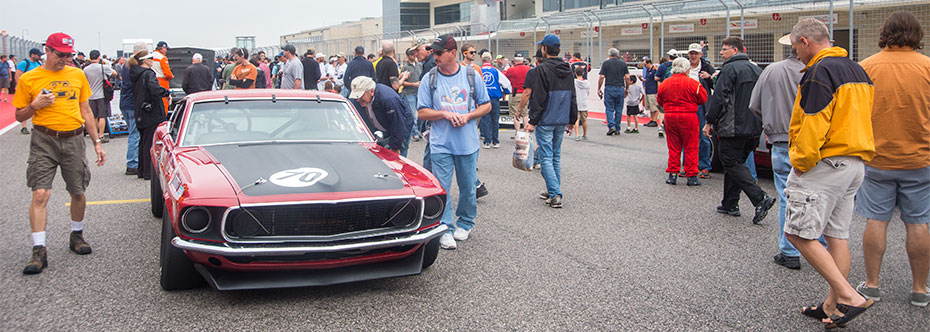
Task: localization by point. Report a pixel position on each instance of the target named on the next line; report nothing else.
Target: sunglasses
(468, 52)
(438, 52)
(64, 54)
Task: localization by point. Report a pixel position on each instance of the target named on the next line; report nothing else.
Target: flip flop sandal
(849, 313)
(818, 313)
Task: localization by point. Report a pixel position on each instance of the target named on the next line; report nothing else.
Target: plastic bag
(523, 153)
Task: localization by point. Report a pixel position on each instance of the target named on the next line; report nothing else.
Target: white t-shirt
(582, 90)
(695, 73)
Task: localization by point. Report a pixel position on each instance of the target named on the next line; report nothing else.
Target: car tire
(177, 271)
(430, 251)
(158, 201)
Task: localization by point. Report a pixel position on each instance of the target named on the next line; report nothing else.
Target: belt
(58, 134)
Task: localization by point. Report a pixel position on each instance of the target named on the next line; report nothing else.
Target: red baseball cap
(60, 42)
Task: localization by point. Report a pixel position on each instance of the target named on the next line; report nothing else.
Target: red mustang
(284, 188)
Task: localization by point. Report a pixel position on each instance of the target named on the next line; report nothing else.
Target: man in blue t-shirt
(652, 90)
(453, 139)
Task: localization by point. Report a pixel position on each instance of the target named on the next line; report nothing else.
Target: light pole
(98, 40)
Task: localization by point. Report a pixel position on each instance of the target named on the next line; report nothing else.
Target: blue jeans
(549, 139)
(427, 161)
(613, 105)
(781, 167)
(704, 144)
(464, 167)
(132, 145)
(751, 165)
(490, 123)
(412, 105)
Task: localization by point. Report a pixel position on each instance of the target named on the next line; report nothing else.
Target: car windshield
(247, 121)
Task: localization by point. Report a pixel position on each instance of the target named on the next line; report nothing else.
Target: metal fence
(651, 28)
(12, 45)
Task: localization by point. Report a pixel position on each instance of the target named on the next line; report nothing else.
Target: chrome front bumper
(297, 249)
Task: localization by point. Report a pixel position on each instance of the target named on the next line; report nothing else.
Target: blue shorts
(883, 190)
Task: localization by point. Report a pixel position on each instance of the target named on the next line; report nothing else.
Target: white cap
(695, 47)
(672, 52)
(320, 55)
(197, 57)
(785, 40)
(360, 85)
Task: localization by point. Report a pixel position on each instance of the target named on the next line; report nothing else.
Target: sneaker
(78, 245)
(793, 263)
(651, 124)
(460, 234)
(132, 171)
(661, 131)
(537, 166)
(585, 137)
(681, 174)
(486, 145)
(611, 131)
(544, 195)
(693, 181)
(870, 293)
(920, 300)
(672, 179)
(24, 131)
(496, 145)
(416, 138)
(661, 134)
(763, 209)
(705, 174)
(627, 131)
(447, 241)
(635, 131)
(734, 212)
(577, 138)
(38, 261)
(555, 202)
(481, 191)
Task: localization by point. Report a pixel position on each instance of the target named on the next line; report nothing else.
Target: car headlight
(196, 219)
(433, 206)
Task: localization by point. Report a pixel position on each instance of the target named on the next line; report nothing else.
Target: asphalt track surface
(626, 253)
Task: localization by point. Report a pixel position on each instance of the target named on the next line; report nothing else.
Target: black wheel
(177, 271)
(158, 201)
(430, 251)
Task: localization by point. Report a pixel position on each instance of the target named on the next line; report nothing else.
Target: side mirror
(379, 136)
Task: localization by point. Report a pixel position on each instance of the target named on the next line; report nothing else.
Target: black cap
(161, 44)
(94, 54)
(539, 54)
(359, 50)
(81, 53)
(444, 42)
(35, 51)
(289, 48)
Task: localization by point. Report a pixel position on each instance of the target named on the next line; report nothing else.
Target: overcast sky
(208, 24)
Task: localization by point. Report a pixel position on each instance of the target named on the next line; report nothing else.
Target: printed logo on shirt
(455, 100)
(488, 77)
(62, 89)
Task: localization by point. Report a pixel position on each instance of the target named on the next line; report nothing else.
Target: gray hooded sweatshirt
(773, 97)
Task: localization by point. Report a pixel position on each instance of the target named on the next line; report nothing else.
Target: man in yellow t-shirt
(55, 97)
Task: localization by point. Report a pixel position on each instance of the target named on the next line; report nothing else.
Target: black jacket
(311, 72)
(197, 77)
(728, 109)
(147, 97)
(359, 66)
(707, 83)
(553, 100)
(391, 112)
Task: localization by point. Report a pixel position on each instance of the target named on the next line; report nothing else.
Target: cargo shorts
(821, 201)
(48, 153)
(514, 105)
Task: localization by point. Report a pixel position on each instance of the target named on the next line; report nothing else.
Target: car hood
(304, 168)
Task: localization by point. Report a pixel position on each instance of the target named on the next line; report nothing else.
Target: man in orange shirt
(55, 96)
(243, 76)
(899, 174)
(162, 69)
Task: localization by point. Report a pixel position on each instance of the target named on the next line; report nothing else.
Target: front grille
(322, 219)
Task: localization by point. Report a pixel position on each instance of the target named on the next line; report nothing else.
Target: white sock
(38, 238)
(77, 226)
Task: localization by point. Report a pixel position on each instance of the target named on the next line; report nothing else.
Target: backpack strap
(470, 71)
(432, 80)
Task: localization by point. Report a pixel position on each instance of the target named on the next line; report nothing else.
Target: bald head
(387, 48)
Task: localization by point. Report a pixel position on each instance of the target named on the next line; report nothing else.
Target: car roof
(262, 93)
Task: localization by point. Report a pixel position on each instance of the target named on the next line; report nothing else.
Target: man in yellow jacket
(162, 69)
(830, 138)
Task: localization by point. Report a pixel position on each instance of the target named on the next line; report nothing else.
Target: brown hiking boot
(38, 261)
(78, 245)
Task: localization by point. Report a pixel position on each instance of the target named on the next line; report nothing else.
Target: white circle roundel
(298, 177)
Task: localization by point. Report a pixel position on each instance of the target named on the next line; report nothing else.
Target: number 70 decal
(298, 177)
